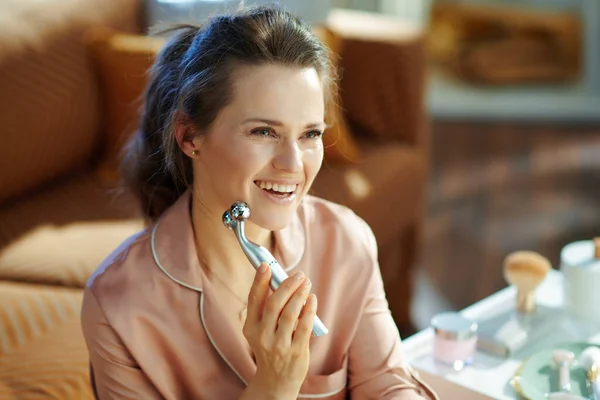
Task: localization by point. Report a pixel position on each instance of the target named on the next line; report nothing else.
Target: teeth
(276, 187)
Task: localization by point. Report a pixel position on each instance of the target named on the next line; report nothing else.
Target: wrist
(263, 388)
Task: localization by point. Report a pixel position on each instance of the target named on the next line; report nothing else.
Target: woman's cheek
(314, 156)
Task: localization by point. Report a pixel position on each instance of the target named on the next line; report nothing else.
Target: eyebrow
(279, 123)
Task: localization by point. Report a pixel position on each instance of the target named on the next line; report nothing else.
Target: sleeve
(377, 364)
(113, 372)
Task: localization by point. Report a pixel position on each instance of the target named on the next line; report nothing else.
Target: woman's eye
(314, 134)
(263, 132)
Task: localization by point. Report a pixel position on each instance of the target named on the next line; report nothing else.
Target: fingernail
(306, 282)
(298, 276)
(263, 268)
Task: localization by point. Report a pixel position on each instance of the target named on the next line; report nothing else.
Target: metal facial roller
(234, 219)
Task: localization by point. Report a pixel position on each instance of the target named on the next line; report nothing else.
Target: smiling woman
(235, 111)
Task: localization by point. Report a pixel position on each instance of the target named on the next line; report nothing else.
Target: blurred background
(514, 100)
(514, 97)
(469, 129)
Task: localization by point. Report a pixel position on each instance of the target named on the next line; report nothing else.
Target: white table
(489, 377)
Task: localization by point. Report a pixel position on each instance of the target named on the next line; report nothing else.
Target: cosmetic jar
(455, 339)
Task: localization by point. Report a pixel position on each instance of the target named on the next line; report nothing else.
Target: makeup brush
(590, 360)
(526, 270)
(563, 360)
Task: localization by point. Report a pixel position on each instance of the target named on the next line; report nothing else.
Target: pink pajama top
(154, 329)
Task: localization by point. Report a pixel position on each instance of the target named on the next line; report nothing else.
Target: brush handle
(595, 390)
(564, 378)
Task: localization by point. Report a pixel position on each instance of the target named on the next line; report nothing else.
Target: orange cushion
(43, 354)
(61, 235)
(122, 61)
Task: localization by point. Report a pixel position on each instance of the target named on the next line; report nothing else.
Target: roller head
(240, 211)
(228, 220)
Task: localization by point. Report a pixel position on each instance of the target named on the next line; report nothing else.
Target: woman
(235, 111)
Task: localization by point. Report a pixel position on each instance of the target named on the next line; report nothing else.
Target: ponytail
(152, 167)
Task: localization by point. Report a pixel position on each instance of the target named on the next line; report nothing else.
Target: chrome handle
(234, 219)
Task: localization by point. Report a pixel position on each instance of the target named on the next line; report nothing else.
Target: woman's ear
(186, 136)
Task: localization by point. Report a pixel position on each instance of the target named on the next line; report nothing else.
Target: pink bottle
(455, 341)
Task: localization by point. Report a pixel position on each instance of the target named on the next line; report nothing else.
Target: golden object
(593, 373)
(515, 381)
(526, 270)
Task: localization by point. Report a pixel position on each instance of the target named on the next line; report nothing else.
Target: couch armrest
(49, 97)
(383, 76)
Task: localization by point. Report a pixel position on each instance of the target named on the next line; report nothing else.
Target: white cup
(581, 271)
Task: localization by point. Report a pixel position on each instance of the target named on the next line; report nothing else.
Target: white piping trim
(213, 342)
(164, 270)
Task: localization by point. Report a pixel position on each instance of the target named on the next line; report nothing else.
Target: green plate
(537, 376)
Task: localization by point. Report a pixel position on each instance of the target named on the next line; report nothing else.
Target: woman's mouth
(278, 192)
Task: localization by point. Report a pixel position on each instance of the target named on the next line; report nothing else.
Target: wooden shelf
(576, 102)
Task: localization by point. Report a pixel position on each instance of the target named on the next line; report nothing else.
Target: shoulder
(342, 260)
(125, 268)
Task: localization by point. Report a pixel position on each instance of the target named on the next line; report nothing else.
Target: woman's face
(265, 147)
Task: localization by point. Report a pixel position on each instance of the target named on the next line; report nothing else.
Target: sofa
(59, 217)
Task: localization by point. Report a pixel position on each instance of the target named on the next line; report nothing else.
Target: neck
(217, 246)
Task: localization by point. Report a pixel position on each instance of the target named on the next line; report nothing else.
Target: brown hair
(192, 75)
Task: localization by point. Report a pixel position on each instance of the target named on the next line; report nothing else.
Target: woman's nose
(289, 157)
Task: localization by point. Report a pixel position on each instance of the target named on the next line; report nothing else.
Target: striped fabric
(61, 235)
(42, 350)
(49, 106)
(48, 112)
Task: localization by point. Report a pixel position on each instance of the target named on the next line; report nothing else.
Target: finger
(258, 295)
(303, 332)
(276, 301)
(290, 314)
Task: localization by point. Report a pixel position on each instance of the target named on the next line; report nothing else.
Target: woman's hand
(278, 328)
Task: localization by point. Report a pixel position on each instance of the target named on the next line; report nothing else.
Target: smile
(281, 193)
(276, 188)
